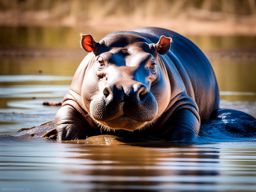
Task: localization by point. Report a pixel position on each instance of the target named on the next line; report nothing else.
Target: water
(77, 167)
(36, 65)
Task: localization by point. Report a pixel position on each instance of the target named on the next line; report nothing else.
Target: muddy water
(36, 65)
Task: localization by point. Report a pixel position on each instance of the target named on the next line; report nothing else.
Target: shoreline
(31, 52)
(203, 25)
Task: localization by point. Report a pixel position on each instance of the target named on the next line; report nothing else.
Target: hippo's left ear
(88, 43)
(163, 45)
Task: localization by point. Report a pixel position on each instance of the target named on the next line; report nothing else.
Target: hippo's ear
(163, 45)
(88, 43)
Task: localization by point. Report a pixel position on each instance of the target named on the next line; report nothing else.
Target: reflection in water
(126, 167)
(75, 167)
(33, 72)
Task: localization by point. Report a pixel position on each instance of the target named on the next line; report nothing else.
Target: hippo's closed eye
(101, 62)
(153, 71)
(152, 67)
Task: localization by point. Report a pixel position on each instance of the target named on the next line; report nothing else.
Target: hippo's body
(180, 92)
(149, 84)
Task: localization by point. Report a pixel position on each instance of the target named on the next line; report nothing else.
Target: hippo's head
(125, 84)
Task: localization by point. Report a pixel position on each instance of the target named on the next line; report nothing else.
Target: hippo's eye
(152, 68)
(101, 62)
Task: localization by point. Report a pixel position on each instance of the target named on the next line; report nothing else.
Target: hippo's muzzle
(121, 107)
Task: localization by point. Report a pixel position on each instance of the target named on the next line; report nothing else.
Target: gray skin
(149, 83)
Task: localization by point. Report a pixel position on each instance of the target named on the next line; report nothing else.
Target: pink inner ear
(165, 41)
(88, 43)
(163, 45)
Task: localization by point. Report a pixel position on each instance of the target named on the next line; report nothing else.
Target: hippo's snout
(136, 93)
(122, 107)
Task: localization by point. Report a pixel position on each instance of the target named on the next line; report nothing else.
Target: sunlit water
(27, 80)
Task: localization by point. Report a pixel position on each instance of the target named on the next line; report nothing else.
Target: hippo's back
(190, 59)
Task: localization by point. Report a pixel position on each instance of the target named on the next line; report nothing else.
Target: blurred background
(187, 16)
(40, 51)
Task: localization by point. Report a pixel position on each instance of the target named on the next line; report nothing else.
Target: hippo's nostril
(142, 93)
(106, 92)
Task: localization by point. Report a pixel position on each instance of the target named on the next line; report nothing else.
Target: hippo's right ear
(88, 43)
(163, 45)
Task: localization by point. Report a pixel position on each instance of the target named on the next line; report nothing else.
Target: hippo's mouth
(123, 122)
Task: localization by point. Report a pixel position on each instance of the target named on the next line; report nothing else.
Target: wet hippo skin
(149, 83)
